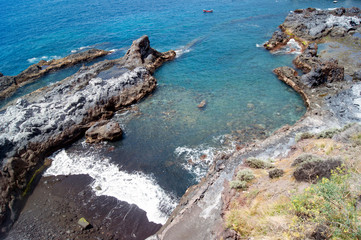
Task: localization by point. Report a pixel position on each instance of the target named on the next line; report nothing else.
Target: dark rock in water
(202, 104)
(8, 84)
(70, 198)
(278, 39)
(103, 131)
(57, 115)
(1, 74)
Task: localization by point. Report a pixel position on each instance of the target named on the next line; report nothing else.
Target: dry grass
(265, 211)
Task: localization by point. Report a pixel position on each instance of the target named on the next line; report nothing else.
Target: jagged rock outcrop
(57, 115)
(103, 131)
(9, 84)
(308, 25)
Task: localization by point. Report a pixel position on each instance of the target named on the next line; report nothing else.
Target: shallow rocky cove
(96, 92)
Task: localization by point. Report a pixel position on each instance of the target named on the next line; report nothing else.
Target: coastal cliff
(213, 209)
(55, 116)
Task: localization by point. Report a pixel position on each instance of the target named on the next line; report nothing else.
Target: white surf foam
(187, 48)
(80, 49)
(198, 159)
(46, 58)
(134, 188)
(292, 47)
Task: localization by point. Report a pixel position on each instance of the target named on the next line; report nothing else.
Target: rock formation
(305, 25)
(9, 84)
(103, 131)
(57, 115)
(330, 100)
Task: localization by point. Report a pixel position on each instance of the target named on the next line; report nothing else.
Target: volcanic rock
(8, 84)
(49, 119)
(103, 131)
(313, 24)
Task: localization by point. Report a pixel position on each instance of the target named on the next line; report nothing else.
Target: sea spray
(109, 179)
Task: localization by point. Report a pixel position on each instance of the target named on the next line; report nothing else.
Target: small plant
(311, 171)
(242, 178)
(245, 175)
(238, 184)
(331, 203)
(275, 173)
(305, 158)
(356, 139)
(329, 133)
(305, 135)
(258, 163)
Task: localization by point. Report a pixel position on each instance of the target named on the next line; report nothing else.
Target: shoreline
(57, 115)
(286, 134)
(199, 215)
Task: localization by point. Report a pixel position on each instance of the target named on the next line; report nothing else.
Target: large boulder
(103, 131)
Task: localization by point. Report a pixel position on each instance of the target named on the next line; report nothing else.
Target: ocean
(169, 142)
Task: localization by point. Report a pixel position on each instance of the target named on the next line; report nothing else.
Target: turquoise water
(167, 137)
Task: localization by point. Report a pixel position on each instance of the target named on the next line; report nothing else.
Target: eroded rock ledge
(331, 102)
(52, 117)
(9, 84)
(309, 25)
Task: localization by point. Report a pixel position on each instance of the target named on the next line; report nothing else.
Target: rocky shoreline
(332, 99)
(57, 115)
(9, 84)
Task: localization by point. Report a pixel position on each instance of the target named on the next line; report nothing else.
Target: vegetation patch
(276, 173)
(242, 178)
(305, 158)
(304, 135)
(258, 163)
(311, 171)
(331, 205)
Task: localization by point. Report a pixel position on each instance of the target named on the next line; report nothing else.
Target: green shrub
(245, 175)
(329, 133)
(238, 184)
(311, 171)
(305, 135)
(258, 163)
(307, 157)
(331, 203)
(356, 139)
(276, 173)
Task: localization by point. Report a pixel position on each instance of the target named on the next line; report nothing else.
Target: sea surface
(169, 142)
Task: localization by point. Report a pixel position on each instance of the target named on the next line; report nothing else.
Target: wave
(134, 188)
(292, 47)
(187, 48)
(197, 159)
(46, 58)
(80, 49)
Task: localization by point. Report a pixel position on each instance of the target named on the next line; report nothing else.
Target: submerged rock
(57, 115)
(103, 131)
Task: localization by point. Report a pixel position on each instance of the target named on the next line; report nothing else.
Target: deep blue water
(166, 135)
